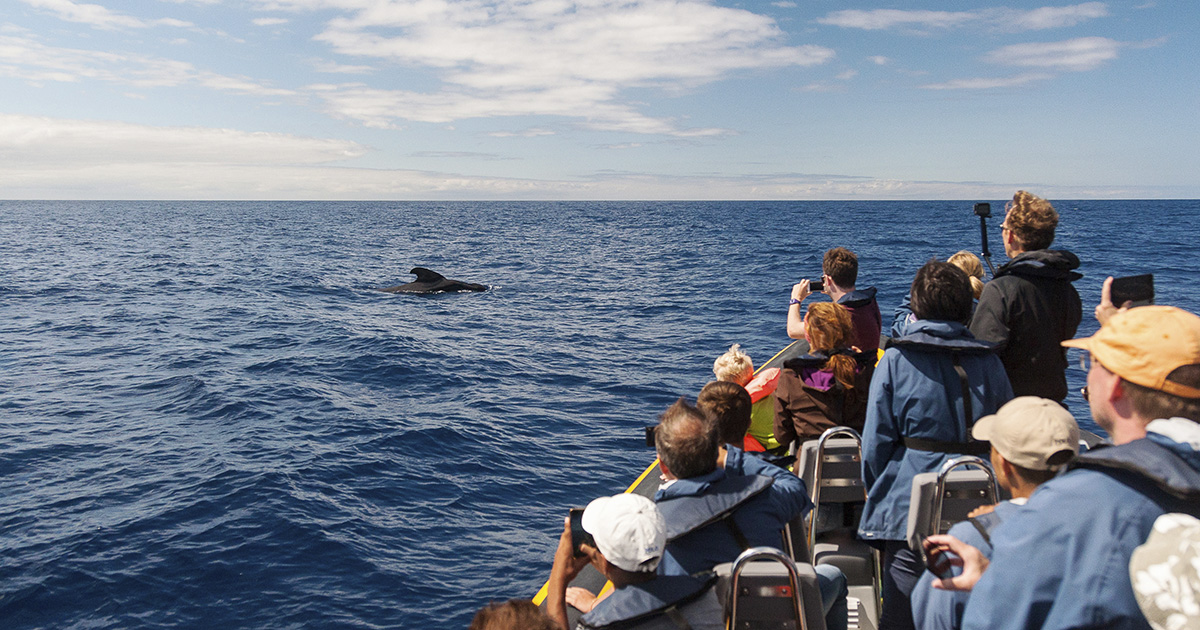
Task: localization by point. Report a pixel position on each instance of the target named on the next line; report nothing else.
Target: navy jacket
(760, 519)
(1026, 310)
(1063, 560)
(644, 606)
(916, 393)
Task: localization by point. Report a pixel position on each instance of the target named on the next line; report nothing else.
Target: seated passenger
(839, 274)
(926, 393)
(514, 614)
(902, 316)
(628, 534)
(1165, 571)
(1031, 439)
(728, 406)
(735, 366)
(828, 386)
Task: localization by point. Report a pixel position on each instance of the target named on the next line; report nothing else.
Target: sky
(598, 99)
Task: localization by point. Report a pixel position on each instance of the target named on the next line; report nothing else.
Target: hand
(566, 567)
(582, 599)
(983, 509)
(1106, 309)
(800, 290)
(971, 560)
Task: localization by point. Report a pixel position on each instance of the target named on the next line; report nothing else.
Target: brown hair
(1031, 219)
(841, 265)
(514, 614)
(971, 266)
(1154, 403)
(728, 406)
(829, 327)
(941, 291)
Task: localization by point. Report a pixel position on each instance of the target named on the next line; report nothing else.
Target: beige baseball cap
(1031, 432)
(629, 531)
(1144, 345)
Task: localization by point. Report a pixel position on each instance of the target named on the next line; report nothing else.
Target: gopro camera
(578, 535)
(983, 210)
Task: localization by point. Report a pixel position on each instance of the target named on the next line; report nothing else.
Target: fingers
(582, 599)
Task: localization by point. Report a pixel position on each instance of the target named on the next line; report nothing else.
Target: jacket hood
(1044, 263)
(941, 336)
(860, 297)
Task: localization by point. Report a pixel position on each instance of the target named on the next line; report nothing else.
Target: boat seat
(765, 590)
(941, 499)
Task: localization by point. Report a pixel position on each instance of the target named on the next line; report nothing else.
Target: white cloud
(847, 75)
(1000, 18)
(784, 4)
(988, 83)
(568, 58)
(879, 60)
(1084, 53)
(525, 133)
(98, 16)
(329, 67)
(269, 21)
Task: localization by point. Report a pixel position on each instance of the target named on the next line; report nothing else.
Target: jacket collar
(1045, 263)
(858, 297)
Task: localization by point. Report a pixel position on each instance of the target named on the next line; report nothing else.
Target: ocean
(210, 419)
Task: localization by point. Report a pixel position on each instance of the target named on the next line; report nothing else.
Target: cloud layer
(1000, 18)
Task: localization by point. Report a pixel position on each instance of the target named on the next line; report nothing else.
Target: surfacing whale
(429, 281)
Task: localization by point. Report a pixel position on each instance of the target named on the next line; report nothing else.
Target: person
(927, 391)
(718, 502)
(1062, 561)
(1031, 439)
(827, 387)
(728, 406)
(514, 614)
(629, 537)
(1031, 305)
(1165, 573)
(840, 274)
(735, 366)
(902, 315)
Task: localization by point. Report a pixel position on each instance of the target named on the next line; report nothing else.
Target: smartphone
(816, 286)
(1136, 289)
(578, 535)
(650, 437)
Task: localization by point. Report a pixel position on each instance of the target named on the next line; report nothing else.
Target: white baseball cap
(629, 531)
(1030, 431)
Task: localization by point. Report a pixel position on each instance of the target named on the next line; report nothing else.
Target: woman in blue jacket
(917, 419)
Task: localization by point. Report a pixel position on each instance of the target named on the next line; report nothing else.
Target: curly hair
(1031, 219)
(829, 327)
(734, 366)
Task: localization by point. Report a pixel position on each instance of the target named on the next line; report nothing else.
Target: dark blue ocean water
(208, 418)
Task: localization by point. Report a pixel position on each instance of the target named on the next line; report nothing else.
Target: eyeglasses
(1083, 391)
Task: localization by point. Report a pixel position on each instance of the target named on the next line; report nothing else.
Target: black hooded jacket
(1027, 310)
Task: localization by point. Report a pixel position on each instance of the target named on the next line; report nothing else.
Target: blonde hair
(969, 263)
(829, 327)
(734, 366)
(1031, 219)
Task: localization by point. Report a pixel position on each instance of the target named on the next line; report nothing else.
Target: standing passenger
(1031, 306)
(840, 273)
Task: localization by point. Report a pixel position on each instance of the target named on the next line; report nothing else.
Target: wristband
(794, 301)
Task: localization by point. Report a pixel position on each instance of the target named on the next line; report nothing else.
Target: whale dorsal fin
(426, 275)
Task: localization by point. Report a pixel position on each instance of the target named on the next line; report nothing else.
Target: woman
(828, 386)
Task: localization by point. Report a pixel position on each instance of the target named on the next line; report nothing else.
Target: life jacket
(762, 409)
(955, 348)
(686, 514)
(663, 595)
(1146, 458)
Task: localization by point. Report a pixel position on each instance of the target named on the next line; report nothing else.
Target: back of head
(941, 291)
(728, 406)
(1156, 352)
(514, 614)
(829, 327)
(841, 265)
(686, 441)
(629, 532)
(734, 366)
(1032, 220)
(1036, 435)
(970, 265)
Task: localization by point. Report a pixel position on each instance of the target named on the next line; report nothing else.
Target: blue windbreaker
(916, 393)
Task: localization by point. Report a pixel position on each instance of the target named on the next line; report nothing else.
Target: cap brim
(982, 430)
(1082, 342)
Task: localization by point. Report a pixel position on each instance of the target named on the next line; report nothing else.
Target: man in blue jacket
(1062, 561)
(926, 393)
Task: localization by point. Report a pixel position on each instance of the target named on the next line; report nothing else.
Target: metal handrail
(949, 465)
(818, 467)
(764, 553)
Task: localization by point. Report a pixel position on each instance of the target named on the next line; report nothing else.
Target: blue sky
(597, 99)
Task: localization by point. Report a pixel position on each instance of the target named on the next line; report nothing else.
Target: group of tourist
(968, 370)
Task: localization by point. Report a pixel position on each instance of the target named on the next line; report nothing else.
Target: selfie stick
(984, 210)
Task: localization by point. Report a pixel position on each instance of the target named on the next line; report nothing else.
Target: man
(1031, 438)
(1062, 561)
(840, 273)
(629, 535)
(1031, 306)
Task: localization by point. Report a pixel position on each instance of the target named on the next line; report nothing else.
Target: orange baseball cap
(1143, 345)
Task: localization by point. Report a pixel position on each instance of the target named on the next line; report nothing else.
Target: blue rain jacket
(644, 606)
(1063, 560)
(917, 393)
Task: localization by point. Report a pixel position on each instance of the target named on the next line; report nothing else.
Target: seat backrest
(964, 491)
(765, 597)
(840, 470)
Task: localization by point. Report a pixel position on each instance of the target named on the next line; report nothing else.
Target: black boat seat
(764, 590)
